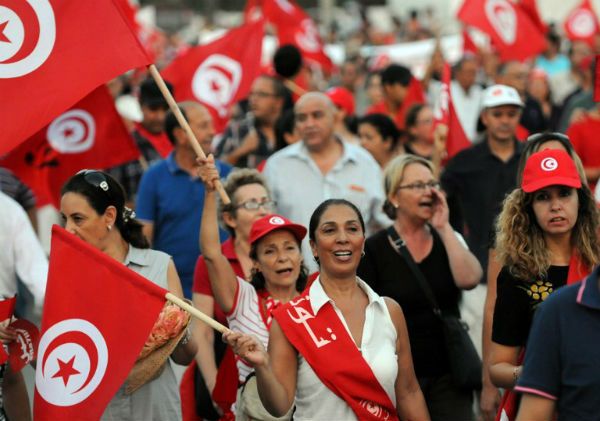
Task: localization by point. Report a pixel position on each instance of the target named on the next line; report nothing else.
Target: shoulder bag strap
(400, 246)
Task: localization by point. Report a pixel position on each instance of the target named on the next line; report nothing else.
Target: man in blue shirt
(171, 196)
(562, 363)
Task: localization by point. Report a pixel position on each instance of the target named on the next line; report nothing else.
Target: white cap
(497, 95)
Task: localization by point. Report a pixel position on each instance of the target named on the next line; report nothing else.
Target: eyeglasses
(261, 94)
(420, 186)
(95, 178)
(253, 205)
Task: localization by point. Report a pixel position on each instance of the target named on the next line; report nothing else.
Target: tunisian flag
(91, 134)
(582, 23)
(52, 54)
(444, 113)
(294, 26)
(511, 29)
(220, 73)
(97, 316)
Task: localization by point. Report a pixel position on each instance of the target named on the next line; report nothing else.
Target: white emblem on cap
(276, 220)
(549, 164)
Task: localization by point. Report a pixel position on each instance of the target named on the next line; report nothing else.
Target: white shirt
(467, 106)
(314, 400)
(298, 186)
(21, 255)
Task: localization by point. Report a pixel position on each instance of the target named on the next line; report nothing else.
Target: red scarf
(577, 270)
(160, 141)
(325, 340)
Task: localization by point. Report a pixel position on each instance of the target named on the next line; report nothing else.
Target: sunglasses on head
(95, 178)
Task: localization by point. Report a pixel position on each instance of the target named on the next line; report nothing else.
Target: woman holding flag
(93, 208)
(546, 238)
(339, 351)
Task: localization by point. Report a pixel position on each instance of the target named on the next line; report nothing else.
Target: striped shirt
(246, 317)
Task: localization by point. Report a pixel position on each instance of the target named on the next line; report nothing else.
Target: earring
(109, 227)
(362, 253)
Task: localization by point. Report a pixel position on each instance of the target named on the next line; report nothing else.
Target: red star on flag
(215, 86)
(3, 38)
(65, 370)
(68, 132)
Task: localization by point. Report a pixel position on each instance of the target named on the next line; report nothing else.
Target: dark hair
(151, 95)
(284, 125)
(278, 86)
(287, 60)
(320, 210)
(257, 279)
(413, 114)
(89, 184)
(384, 126)
(396, 73)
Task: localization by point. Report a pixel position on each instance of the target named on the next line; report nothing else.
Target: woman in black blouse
(420, 215)
(546, 237)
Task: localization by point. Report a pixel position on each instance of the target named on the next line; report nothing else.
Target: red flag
(597, 78)
(97, 316)
(582, 23)
(294, 26)
(510, 28)
(23, 350)
(53, 53)
(89, 135)
(445, 113)
(530, 8)
(220, 73)
(469, 46)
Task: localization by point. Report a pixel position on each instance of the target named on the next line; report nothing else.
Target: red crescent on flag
(78, 338)
(31, 26)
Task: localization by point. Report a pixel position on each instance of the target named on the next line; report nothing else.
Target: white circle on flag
(503, 18)
(72, 132)
(582, 24)
(17, 29)
(72, 361)
(13, 31)
(549, 164)
(308, 37)
(216, 81)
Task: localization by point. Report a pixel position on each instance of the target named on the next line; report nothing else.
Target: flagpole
(185, 125)
(196, 313)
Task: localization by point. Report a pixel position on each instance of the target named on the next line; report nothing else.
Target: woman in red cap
(339, 351)
(277, 276)
(546, 238)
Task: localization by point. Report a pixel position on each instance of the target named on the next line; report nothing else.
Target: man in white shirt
(22, 255)
(320, 167)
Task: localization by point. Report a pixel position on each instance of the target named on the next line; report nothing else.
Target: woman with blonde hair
(439, 256)
(546, 238)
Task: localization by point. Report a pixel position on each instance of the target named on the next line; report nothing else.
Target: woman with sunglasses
(420, 213)
(250, 201)
(93, 208)
(277, 275)
(546, 238)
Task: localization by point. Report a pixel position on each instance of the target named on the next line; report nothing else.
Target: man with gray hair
(320, 167)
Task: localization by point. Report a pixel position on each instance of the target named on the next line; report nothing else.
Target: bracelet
(186, 337)
(516, 373)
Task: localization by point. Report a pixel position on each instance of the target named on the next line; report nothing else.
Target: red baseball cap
(548, 168)
(269, 223)
(342, 98)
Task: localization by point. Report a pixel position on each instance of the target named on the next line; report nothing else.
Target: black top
(389, 275)
(476, 182)
(517, 300)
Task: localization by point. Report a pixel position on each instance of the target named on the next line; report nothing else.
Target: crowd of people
(351, 240)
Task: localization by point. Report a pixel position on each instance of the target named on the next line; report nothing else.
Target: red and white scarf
(321, 339)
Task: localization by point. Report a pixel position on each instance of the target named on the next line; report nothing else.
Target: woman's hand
(247, 347)
(440, 218)
(7, 333)
(207, 171)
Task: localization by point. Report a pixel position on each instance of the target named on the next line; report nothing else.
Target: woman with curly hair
(546, 238)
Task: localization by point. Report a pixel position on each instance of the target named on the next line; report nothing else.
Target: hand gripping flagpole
(196, 313)
(188, 130)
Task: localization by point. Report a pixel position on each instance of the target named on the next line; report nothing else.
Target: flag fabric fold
(97, 315)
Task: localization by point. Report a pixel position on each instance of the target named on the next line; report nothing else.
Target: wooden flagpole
(184, 124)
(196, 313)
